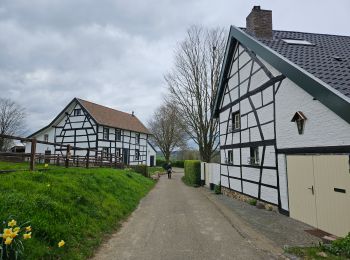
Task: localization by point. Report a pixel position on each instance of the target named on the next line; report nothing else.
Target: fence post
(110, 160)
(32, 155)
(67, 156)
(87, 158)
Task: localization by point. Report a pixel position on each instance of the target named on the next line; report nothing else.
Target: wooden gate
(319, 191)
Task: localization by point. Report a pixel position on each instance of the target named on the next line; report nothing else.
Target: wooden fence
(99, 159)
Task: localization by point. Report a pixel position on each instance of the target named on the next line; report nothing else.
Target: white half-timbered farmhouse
(88, 125)
(283, 105)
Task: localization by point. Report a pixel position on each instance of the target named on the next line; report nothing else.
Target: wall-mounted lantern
(299, 118)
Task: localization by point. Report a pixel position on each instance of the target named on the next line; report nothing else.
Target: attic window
(297, 42)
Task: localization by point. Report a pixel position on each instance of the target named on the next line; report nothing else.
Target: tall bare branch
(167, 129)
(193, 83)
(11, 121)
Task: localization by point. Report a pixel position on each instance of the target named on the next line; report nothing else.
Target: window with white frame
(137, 154)
(254, 156)
(46, 137)
(137, 138)
(236, 120)
(118, 134)
(105, 133)
(230, 156)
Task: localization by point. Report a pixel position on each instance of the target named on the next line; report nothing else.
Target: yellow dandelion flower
(61, 243)
(46, 165)
(12, 223)
(27, 236)
(29, 228)
(8, 241)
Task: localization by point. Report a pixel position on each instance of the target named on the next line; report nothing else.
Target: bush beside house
(192, 175)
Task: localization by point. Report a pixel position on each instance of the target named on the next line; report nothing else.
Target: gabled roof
(328, 58)
(104, 116)
(313, 74)
(113, 118)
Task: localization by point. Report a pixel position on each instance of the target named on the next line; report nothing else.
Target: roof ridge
(80, 99)
(337, 35)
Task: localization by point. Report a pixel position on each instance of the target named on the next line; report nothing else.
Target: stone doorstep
(246, 198)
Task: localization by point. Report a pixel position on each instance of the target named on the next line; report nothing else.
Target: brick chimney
(259, 23)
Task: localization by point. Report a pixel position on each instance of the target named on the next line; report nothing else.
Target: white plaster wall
(150, 152)
(322, 127)
(282, 171)
(236, 185)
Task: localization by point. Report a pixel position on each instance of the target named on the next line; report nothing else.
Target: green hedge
(192, 172)
(177, 163)
(140, 168)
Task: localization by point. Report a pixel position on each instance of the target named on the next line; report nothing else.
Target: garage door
(319, 187)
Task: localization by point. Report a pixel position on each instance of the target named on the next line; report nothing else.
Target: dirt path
(178, 222)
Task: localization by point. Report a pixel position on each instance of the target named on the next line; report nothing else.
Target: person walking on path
(169, 170)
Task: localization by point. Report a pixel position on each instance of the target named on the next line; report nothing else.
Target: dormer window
(299, 118)
(236, 120)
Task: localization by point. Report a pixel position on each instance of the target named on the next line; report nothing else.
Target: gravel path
(179, 222)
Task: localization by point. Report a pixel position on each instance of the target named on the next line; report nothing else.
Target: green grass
(311, 253)
(21, 166)
(80, 206)
(155, 169)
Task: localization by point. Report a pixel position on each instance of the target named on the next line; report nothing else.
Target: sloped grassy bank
(79, 206)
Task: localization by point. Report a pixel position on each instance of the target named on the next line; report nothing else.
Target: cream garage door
(319, 191)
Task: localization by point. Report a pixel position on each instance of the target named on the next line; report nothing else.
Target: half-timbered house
(283, 106)
(108, 131)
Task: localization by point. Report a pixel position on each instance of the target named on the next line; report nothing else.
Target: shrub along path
(178, 222)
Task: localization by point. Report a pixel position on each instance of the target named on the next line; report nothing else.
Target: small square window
(77, 112)
(254, 156)
(105, 133)
(230, 157)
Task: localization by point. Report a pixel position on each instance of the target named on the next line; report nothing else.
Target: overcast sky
(115, 53)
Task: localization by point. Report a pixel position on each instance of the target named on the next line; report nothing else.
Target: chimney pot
(259, 23)
(133, 113)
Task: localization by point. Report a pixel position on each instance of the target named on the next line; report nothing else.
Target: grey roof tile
(318, 59)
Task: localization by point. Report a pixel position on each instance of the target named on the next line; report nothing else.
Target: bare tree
(167, 129)
(11, 121)
(193, 84)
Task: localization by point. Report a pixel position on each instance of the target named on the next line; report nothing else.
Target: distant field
(80, 206)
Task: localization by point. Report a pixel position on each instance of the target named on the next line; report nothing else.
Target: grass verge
(77, 205)
(312, 253)
(155, 170)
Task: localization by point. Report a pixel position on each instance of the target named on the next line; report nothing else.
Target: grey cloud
(116, 52)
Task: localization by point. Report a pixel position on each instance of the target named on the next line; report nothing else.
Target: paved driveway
(179, 222)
